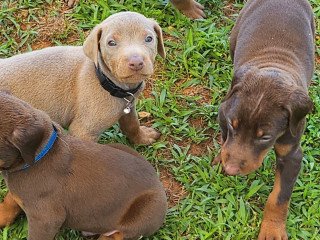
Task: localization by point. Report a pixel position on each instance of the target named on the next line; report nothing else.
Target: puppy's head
(21, 131)
(127, 43)
(260, 108)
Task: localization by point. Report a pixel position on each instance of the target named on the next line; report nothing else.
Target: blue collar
(45, 149)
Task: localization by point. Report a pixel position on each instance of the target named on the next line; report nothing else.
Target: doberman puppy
(191, 8)
(272, 47)
(62, 181)
(89, 88)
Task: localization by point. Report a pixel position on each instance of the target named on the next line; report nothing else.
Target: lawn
(183, 98)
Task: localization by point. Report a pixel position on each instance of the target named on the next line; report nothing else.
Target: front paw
(272, 230)
(194, 11)
(146, 135)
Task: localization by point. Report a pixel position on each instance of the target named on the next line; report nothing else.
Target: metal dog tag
(129, 104)
(127, 110)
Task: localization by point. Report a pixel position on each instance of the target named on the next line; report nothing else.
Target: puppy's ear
(232, 91)
(238, 77)
(244, 72)
(27, 140)
(299, 105)
(91, 44)
(160, 46)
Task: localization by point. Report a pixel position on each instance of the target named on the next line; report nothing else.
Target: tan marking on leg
(9, 210)
(275, 215)
(283, 149)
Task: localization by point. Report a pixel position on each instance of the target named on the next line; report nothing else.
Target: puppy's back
(35, 78)
(125, 186)
(278, 28)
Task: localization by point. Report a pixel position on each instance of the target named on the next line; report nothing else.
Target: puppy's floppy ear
(299, 105)
(91, 44)
(238, 77)
(160, 46)
(27, 140)
(232, 91)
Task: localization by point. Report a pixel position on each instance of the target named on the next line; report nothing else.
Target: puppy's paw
(71, 3)
(146, 135)
(194, 10)
(273, 230)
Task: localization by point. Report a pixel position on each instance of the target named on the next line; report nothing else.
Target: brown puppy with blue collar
(62, 181)
(64, 82)
(272, 46)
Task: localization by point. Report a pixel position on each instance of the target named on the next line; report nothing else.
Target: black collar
(112, 88)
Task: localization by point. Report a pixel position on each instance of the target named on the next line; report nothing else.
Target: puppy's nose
(136, 62)
(231, 169)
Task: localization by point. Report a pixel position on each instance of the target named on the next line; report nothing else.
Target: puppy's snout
(231, 169)
(135, 62)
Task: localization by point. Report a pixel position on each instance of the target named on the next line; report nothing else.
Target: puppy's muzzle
(136, 62)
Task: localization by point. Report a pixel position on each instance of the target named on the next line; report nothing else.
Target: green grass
(187, 89)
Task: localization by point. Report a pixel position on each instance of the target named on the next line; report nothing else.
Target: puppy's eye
(112, 43)
(148, 39)
(265, 138)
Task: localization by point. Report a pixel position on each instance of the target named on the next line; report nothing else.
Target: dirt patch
(174, 190)
(201, 148)
(198, 90)
(54, 27)
(197, 122)
(229, 9)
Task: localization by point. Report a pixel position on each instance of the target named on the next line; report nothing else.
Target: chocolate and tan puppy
(191, 8)
(272, 46)
(88, 89)
(62, 181)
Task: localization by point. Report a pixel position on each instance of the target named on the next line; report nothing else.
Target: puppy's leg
(44, 223)
(130, 126)
(190, 8)
(9, 210)
(289, 159)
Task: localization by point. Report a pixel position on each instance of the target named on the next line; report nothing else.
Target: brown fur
(78, 184)
(62, 80)
(272, 46)
(190, 8)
